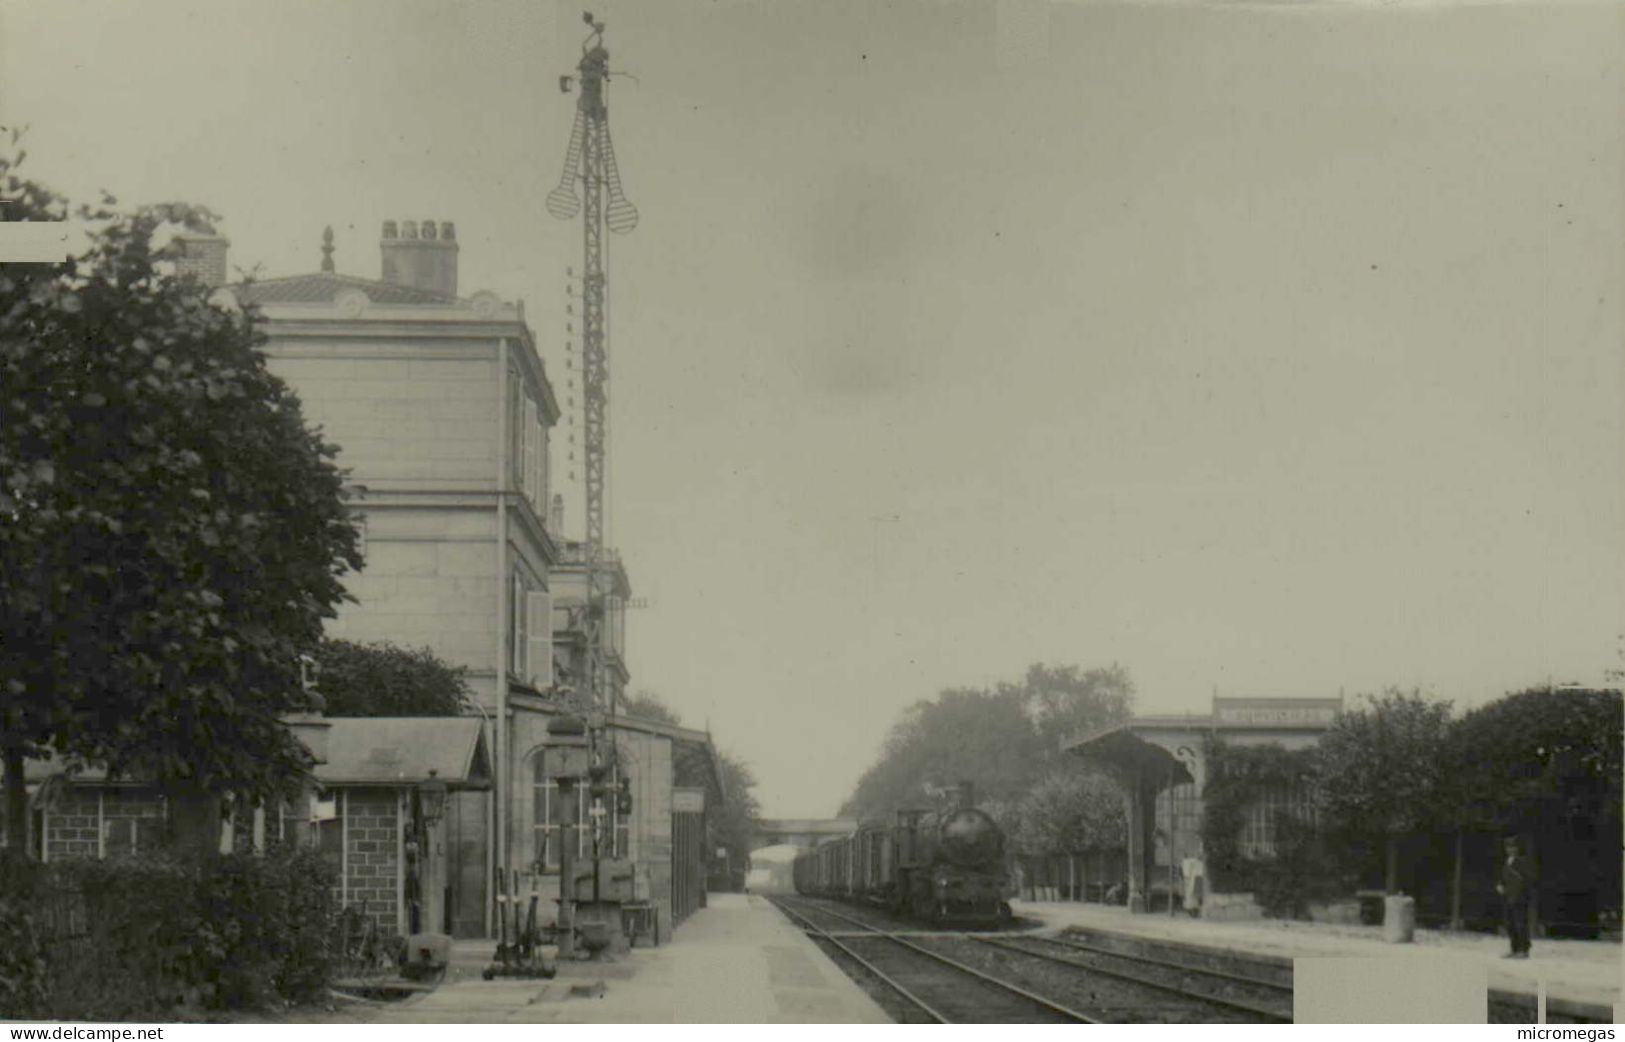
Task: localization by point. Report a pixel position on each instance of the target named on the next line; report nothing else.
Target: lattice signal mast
(590, 163)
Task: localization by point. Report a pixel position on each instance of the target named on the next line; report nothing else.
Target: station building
(442, 410)
(1161, 763)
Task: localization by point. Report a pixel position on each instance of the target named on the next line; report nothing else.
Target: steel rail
(782, 905)
(1174, 989)
(1014, 989)
(1239, 978)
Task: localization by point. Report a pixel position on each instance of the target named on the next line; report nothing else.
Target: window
(527, 444)
(125, 836)
(615, 629)
(327, 828)
(594, 817)
(1258, 831)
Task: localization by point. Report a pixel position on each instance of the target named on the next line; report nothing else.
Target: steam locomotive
(941, 866)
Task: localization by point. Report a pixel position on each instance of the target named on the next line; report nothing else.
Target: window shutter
(518, 635)
(532, 427)
(541, 470)
(516, 427)
(539, 646)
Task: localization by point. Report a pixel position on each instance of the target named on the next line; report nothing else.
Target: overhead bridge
(799, 832)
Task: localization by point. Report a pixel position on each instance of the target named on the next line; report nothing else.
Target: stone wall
(405, 412)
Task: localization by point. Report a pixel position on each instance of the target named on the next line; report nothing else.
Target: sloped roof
(403, 750)
(694, 755)
(323, 287)
(363, 751)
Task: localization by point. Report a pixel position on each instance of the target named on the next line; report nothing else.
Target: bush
(1303, 869)
(154, 938)
(23, 969)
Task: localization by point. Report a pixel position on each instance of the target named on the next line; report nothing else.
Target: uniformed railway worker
(1516, 887)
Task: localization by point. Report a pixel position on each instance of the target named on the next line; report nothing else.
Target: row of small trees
(1400, 768)
(1404, 764)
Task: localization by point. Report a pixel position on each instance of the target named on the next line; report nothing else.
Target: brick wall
(372, 854)
(87, 821)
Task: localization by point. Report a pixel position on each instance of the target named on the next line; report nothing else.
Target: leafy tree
(172, 534)
(1006, 741)
(1066, 702)
(984, 737)
(381, 679)
(1072, 809)
(1520, 747)
(733, 825)
(1381, 772)
(646, 705)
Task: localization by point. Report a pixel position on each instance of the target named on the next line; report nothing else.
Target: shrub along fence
(159, 938)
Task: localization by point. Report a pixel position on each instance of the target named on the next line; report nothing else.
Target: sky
(1261, 348)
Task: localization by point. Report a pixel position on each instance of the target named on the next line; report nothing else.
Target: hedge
(164, 938)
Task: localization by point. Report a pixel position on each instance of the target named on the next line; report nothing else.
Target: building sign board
(1289, 712)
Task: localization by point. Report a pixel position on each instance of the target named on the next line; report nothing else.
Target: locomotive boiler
(941, 866)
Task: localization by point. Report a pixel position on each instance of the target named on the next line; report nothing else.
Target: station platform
(1584, 972)
(736, 961)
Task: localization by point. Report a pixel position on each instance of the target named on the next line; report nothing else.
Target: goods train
(941, 866)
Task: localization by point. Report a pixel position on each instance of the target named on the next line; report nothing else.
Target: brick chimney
(421, 256)
(202, 256)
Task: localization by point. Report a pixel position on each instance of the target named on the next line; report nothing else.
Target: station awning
(1121, 748)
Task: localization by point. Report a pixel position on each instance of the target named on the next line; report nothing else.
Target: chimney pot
(423, 256)
(201, 256)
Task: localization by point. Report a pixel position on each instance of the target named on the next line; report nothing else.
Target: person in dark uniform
(1517, 888)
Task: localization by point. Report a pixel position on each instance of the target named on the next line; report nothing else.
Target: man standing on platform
(1517, 889)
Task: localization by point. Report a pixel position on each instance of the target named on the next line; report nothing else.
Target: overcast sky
(1269, 347)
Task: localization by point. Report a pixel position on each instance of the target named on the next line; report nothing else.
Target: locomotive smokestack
(967, 794)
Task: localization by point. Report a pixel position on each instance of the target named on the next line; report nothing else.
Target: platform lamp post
(567, 761)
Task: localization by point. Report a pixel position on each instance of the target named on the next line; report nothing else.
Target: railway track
(939, 988)
(1082, 982)
(1228, 993)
